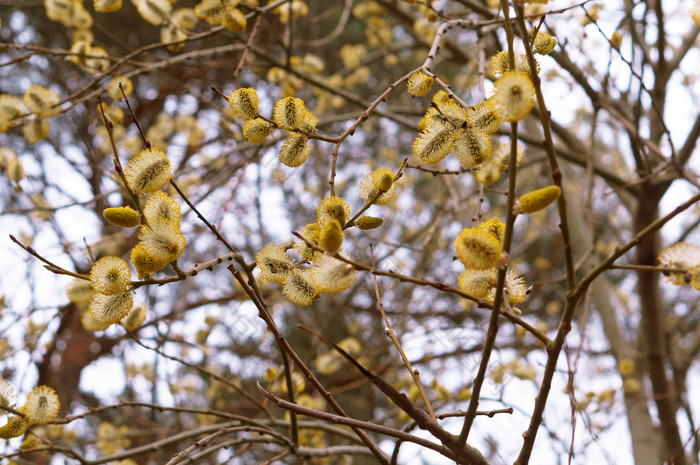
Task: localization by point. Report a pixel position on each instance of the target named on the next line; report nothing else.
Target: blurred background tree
(622, 88)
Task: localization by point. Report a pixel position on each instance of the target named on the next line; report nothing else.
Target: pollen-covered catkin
(244, 103)
(435, 142)
(299, 289)
(15, 427)
(419, 84)
(332, 208)
(544, 43)
(148, 171)
(295, 150)
(108, 309)
(289, 113)
(256, 130)
(514, 96)
(472, 148)
(477, 248)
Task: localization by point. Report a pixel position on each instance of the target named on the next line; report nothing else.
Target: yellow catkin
(41, 101)
(210, 11)
(419, 84)
(289, 113)
(35, 129)
(477, 282)
(185, 18)
(80, 291)
(435, 142)
(495, 227)
(7, 393)
(331, 275)
(234, 20)
(148, 171)
(332, 208)
(538, 200)
(135, 318)
(454, 112)
(144, 263)
(370, 222)
(514, 96)
(472, 148)
(311, 233)
(91, 324)
(631, 386)
(108, 309)
(163, 240)
(15, 427)
(299, 289)
(110, 275)
(9, 110)
(684, 256)
(161, 207)
(244, 103)
(295, 150)
(274, 264)
(625, 367)
(107, 6)
(124, 217)
(477, 248)
(483, 118)
(544, 43)
(380, 184)
(331, 237)
(256, 130)
(42, 405)
(153, 11)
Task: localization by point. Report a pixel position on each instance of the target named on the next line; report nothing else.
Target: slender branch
(287, 350)
(357, 424)
(389, 331)
(52, 267)
(481, 303)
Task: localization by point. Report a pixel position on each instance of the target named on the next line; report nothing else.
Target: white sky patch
(94, 378)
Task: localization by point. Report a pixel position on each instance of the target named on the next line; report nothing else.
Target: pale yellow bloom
(110, 275)
(331, 275)
(148, 171)
(299, 289)
(378, 182)
(163, 240)
(514, 96)
(42, 405)
(41, 101)
(435, 142)
(108, 309)
(274, 264)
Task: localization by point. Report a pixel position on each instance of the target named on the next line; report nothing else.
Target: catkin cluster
(479, 249)
(447, 126)
(289, 113)
(317, 272)
(160, 242)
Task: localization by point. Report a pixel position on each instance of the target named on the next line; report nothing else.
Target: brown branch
(357, 424)
(288, 351)
(52, 267)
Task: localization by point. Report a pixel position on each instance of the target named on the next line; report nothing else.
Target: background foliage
(622, 89)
